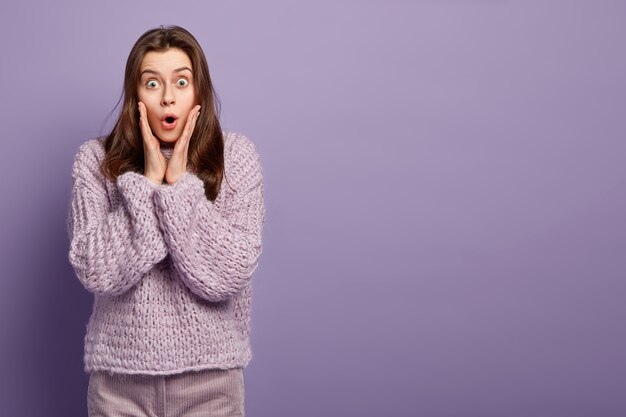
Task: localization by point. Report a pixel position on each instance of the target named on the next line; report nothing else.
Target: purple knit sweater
(170, 270)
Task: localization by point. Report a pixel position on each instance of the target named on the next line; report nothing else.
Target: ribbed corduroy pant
(212, 392)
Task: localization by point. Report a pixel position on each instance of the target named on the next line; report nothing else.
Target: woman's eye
(182, 82)
(152, 84)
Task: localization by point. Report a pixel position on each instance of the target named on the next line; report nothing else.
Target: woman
(165, 230)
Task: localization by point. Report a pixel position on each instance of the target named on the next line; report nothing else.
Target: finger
(182, 142)
(146, 132)
(142, 117)
(144, 120)
(142, 111)
(191, 122)
(194, 121)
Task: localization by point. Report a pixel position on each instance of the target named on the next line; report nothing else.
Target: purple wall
(445, 228)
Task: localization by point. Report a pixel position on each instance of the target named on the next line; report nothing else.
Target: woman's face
(166, 89)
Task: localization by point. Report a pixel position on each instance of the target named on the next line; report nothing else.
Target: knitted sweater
(170, 270)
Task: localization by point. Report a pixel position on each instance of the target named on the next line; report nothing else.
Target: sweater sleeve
(111, 248)
(215, 253)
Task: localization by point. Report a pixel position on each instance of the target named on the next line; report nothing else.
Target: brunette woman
(165, 230)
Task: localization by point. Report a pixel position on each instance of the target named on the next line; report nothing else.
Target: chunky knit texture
(170, 270)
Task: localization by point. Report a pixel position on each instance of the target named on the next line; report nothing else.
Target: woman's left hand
(177, 164)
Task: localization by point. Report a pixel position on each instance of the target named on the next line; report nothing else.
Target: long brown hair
(124, 145)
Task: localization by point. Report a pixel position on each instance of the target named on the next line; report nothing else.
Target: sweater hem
(118, 370)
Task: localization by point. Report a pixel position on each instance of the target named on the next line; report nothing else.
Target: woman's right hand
(154, 161)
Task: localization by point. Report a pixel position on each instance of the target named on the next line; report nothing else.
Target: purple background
(445, 229)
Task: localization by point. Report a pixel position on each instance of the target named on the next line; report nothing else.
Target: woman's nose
(168, 97)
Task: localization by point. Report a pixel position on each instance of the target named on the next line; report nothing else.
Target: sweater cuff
(131, 179)
(175, 204)
(137, 192)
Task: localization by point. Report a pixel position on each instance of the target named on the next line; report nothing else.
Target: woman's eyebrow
(149, 71)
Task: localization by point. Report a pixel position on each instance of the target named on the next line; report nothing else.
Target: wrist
(154, 180)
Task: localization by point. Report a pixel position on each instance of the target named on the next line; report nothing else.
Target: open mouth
(169, 122)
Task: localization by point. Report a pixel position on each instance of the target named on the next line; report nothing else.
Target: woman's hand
(154, 161)
(177, 164)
